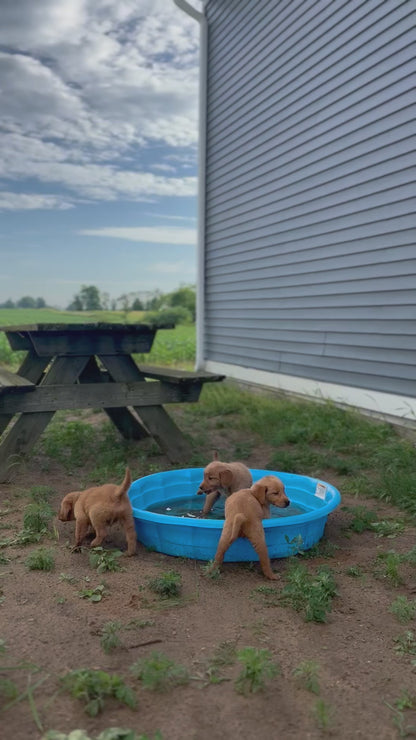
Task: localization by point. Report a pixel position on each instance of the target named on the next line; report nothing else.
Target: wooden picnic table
(74, 366)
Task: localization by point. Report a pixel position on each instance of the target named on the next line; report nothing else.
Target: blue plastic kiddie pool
(166, 507)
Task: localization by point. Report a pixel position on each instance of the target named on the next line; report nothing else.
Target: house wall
(309, 257)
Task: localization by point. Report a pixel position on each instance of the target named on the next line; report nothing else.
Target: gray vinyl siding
(310, 258)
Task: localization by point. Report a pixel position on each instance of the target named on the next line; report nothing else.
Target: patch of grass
(307, 675)
(40, 559)
(37, 517)
(105, 560)
(323, 714)
(388, 567)
(110, 636)
(309, 593)
(354, 571)
(258, 668)
(67, 578)
(406, 700)
(403, 610)
(399, 722)
(93, 687)
(363, 519)
(41, 494)
(225, 654)
(323, 549)
(167, 585)
(388, 528)
(93, 594)
(159, 673)
(211, 570)
(405, 643)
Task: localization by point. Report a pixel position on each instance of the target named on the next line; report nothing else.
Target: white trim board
(398, 409)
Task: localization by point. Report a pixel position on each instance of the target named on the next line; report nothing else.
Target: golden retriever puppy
(222, 478)
(98, 508)
(244, 511)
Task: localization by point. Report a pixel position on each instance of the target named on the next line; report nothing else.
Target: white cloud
(28, 202)
(85, 84)
(154, 234)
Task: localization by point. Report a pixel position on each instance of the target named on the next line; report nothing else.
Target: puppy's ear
(66, 512)
(259, 491)
(226, 477)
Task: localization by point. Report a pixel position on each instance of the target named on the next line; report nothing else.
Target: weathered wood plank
(28, 427)
(96, 395)
(124, 419)
(87, 339)
(160, 425)
(12, 382)
(172, 375)
(32, 369)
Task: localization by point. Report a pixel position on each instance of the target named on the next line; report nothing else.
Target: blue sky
(98, 147)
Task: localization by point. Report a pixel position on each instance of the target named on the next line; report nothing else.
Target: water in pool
(190, 507)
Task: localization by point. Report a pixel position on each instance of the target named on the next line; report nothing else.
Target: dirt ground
(45, 622)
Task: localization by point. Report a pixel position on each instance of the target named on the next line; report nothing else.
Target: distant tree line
(25, 302)
(178, 307)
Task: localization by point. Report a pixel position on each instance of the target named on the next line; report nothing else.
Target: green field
(174, 347)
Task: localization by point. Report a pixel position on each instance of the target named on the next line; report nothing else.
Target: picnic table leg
(29, 426)
(31, 368)
(126, 423)
(156, 419)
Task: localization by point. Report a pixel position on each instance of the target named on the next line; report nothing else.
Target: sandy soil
(45, 622)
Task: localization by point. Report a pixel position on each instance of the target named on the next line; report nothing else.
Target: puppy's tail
(125, 484)
(238, 522)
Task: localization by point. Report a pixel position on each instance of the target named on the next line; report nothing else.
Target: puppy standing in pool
(222, 478)
(244, 512)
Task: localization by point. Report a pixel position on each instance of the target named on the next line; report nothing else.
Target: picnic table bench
(76, 366)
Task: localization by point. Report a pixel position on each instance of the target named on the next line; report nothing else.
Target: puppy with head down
(222, 478)
(244, 511)
(99, 507)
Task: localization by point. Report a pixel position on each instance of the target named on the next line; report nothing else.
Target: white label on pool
(320, 490)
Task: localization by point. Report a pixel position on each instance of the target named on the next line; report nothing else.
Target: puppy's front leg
(210, 500)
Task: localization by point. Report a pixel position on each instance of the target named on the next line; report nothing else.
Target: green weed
(406, 700)
(309, 593)
(41, 559)
(388, 528)
(105, 560)
(110, 636)
(307, 674)
(323, 714)
(37, 517)
(405, 643)
(363, 519)
(41, 494)
(167, 585)
(159, 673)
(258, 668)
(211, 570)
(92, 687)
(93, 594)
(354, 571)
(388, 567)
(403, 610)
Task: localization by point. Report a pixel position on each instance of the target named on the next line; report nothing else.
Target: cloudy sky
(98, 147)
